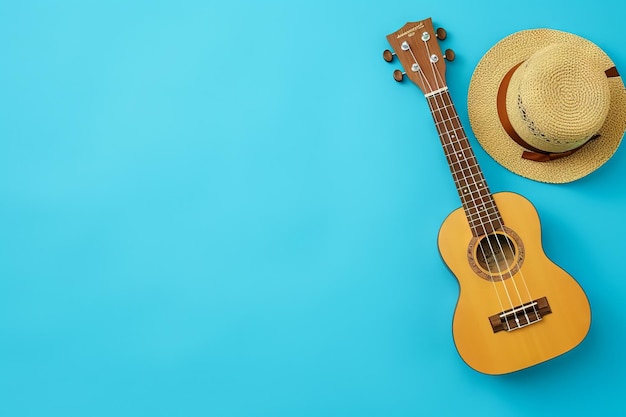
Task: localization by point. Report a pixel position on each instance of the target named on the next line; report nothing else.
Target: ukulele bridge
(520, 316)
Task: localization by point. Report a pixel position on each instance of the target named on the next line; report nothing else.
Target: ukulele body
(483, 334)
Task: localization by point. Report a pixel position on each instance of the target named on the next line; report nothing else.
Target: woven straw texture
(561, 119)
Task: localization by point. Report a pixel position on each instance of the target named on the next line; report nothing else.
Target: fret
(493, 221)
(457, 148)
(466, 182)
(468, 173)
(458, 152)
(468, 177)
(443, 123)
(475, 202)
(481, 214)
(478, 204)
(448, 108)
(461, 170)
(447, 125)
(471, 196)
(468, 189)
(473, 210)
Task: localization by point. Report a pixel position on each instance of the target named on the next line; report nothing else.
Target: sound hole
(496, 256)
(495, 253)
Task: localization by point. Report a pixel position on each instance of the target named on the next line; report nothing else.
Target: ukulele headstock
(417, 48)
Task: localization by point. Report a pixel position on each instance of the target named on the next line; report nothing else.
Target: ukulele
(516, 308)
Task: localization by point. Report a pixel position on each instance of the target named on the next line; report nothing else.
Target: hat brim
(485, 123)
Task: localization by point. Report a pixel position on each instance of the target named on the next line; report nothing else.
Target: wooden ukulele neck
(480, 208)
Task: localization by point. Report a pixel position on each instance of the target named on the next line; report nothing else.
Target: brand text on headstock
(410, 32)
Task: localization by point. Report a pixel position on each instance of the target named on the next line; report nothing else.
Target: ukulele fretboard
(480, 208)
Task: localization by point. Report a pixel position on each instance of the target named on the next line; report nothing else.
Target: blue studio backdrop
(231, 209)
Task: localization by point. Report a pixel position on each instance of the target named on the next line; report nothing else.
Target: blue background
(231, 209)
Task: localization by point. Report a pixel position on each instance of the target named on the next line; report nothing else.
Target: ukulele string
(418, 69)
(484, 251)
(457, 181)
(439, 92)
(439, 79)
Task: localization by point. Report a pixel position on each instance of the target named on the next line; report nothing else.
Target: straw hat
(547, 105)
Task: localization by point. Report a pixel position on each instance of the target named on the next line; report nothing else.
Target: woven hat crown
(558, 98)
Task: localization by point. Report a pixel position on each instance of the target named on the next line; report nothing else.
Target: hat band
(532, 153)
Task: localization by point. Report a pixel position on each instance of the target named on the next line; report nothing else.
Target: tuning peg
(441, 34)
(388, 55)
(449, 55)
(398, 75)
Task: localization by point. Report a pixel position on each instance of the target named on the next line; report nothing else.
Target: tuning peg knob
(441, 34)
(388, 55)
(398, 75)
(449, 55)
